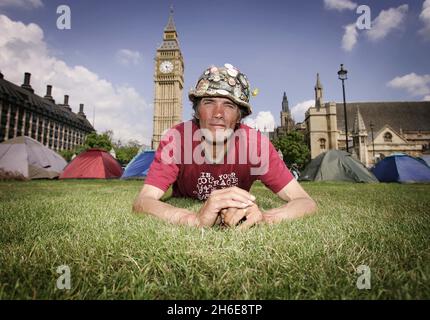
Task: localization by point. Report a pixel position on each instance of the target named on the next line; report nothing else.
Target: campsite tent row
(336, 165)
(28, 158)
(24, 157)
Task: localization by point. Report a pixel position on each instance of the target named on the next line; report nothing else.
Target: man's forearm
(293, 209)
(165, 211)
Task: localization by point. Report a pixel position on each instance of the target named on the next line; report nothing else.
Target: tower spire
(359, 136)
(171, 23)
(285, 107)
(359, 126)
(318, 84)
(170, 37)
(318, 93)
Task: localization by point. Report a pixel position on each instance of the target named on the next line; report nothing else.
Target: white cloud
(425, 18)
(298, 111)
(27, 4)
(414, 84)
(387, 21)
(340, 5)
(128, 57)
(263, 122)
(119, 108)
(349, 39)
(426, 98)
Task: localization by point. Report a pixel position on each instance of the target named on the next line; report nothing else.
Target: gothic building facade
(375, 129)
(24, 113)
(168, 82)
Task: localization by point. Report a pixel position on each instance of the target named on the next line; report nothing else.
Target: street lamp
(342, 73)
(373, 140)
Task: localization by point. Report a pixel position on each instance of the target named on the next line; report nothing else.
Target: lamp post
(342, 73)
(373, 140)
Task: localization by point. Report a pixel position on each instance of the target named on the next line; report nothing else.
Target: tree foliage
(102, 141)
(125, 152)
(293, 148)
(67, 154)
(92, 140)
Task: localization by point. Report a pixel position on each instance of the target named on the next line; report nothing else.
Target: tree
(67, 154)
(293, 148)
(102, 141)
(126, 153)
(92, 140)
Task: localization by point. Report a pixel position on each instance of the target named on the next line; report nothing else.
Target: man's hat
(225, 81)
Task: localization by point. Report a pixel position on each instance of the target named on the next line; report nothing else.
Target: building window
(322, 144)
(388, 137)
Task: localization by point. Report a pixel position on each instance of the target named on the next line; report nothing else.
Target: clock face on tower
(166, 67)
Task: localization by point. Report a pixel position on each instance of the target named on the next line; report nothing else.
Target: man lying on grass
(215, 158)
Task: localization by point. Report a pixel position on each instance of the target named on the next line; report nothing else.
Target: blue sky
(280, 45)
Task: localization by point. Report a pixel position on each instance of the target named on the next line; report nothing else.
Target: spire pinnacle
(318, 84)
(359, 126)
(318, 93)
(285, 107)
(171, 23)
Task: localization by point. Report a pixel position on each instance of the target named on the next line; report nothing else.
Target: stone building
(168, 82)
(24, 113)
(375, 129)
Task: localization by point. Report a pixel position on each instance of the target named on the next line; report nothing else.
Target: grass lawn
(114, 254)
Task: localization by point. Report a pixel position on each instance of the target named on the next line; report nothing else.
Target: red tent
(92, 164)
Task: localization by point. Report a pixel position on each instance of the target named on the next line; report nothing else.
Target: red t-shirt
(180, 161)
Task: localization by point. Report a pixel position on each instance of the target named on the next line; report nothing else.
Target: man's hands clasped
(230, 207)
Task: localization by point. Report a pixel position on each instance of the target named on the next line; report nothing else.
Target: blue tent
(425, 159)
(401, 168)
(139, 166)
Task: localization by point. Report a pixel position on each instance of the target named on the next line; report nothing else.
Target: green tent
(336, 165)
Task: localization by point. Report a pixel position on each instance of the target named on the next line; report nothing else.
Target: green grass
(114, 254)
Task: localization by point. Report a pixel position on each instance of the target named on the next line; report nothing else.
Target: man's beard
(220, 136)
(216, 144)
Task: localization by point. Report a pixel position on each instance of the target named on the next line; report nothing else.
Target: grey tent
(28, 158)
(336, 165)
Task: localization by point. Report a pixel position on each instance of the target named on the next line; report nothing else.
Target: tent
(28, 158)
(139, 166)
(401, 168)
(92, 164)
(425, 159)
(336, 165)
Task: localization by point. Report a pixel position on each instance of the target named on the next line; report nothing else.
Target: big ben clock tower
(169, 82)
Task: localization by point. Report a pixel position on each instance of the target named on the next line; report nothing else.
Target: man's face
(218, 116)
